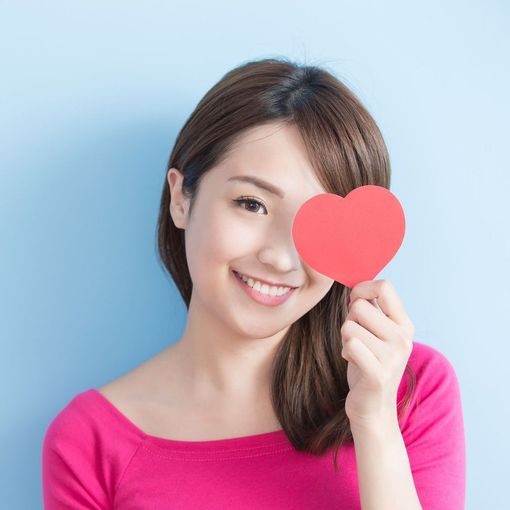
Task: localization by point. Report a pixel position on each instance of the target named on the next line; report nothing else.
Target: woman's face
(253, 237)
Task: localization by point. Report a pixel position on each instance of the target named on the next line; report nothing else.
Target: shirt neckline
(264, 442)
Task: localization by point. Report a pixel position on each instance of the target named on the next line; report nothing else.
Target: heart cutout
(349, 239)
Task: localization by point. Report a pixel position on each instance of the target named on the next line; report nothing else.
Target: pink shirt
(94, 457)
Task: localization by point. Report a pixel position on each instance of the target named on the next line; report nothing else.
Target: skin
(223, 357)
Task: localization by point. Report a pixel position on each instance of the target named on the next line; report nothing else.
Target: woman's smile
(261, 294)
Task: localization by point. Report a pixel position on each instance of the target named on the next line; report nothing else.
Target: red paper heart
(349, 239)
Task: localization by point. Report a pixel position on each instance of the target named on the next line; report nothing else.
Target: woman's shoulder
(430, 363)
(85, 450)
(433, 427)
(436, 395)
(431, 370)
(90, 425)
(87, 418)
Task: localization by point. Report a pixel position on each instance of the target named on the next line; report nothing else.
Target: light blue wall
(92, 97)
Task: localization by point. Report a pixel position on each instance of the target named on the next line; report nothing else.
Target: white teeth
(263, 288)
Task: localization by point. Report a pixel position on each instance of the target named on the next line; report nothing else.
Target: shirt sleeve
(434, 435)
(71, 475)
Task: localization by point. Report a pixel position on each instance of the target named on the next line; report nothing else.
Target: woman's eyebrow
(260, 183)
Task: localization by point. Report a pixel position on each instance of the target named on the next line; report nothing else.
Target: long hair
(346, 149)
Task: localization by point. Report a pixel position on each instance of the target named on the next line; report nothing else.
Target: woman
(286, 390)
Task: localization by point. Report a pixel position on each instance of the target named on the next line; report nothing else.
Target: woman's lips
(263, 299)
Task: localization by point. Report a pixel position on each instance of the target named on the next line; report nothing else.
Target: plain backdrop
(92, 97)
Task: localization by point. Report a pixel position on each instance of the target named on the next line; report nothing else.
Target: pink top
(94, 457)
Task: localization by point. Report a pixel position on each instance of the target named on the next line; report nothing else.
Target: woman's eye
(248, 200)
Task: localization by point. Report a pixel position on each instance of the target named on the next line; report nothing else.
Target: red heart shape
(349, 239)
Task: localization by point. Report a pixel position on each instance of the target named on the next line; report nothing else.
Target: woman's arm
(384, 473)
(377, 343)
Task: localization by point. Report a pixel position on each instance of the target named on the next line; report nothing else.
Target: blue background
(92, 97)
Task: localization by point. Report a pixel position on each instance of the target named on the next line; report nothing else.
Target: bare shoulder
(144, 384)
(147, 397)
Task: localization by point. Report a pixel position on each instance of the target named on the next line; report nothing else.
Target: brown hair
(346, 149)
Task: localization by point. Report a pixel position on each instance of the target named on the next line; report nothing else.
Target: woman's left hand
(377, 340)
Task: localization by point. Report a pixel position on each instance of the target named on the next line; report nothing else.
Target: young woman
(286, 390)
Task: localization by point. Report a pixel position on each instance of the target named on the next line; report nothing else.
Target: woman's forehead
(271, 162)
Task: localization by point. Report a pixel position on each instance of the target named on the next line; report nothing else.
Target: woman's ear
(179, 204)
